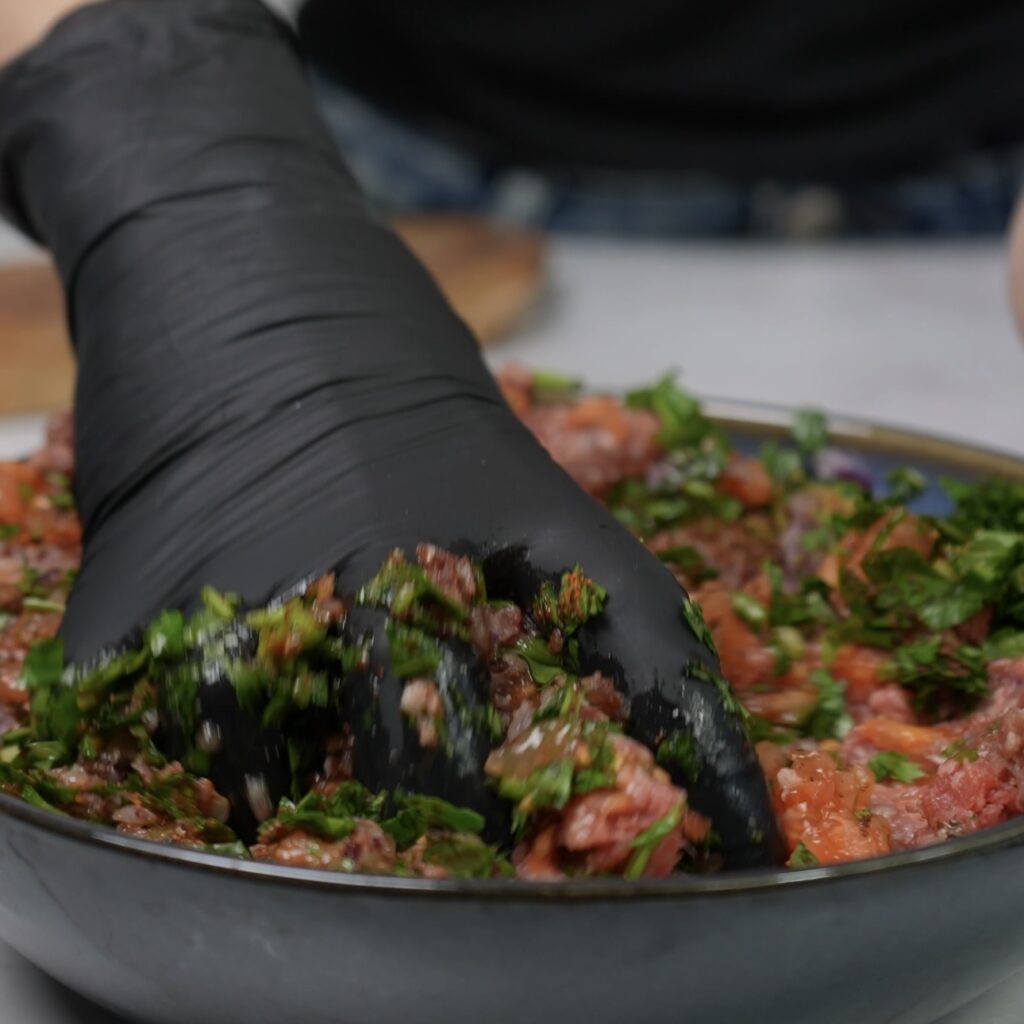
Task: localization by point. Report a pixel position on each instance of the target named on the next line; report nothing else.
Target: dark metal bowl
(169, 935)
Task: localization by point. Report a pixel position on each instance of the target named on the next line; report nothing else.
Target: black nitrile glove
(269, 385)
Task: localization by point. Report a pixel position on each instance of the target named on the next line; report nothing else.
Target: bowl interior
(880, 449)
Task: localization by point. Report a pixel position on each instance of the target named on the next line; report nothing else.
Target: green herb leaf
(905, 484)
(578, 600)
(730, 702)
(784, 465)
(689, 561)
(545, 667)
(802, 858)
(403, 588)
(547, 786)
(236, 850)
(330, 817)
(749, 610)
(221, 605)
(413, 652)
(988, 504)
(810, 431)
(548, 387)
(682, 421)
(465, 856)
(44, 664)
(759, 729)
(1005, 643)
(694, 618)
(416, 814)
(960, 750)
(828, 718)
(898, 767)
(678, 755)
(165, 637)
(644, 845)
(808, 607)
(42, 604)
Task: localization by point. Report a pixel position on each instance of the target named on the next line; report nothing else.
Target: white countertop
(914, 335)
(918, 336)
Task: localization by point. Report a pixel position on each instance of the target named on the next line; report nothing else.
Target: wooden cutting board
(36, 368)
(491, 275)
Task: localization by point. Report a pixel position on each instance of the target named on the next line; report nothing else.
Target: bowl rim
(753, 418)
(680, 886)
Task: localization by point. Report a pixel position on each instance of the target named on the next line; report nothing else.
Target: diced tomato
(745, 659)
(860, 668)
(826, 809)
(900, 737)
(746, 479)
(17, 482)
(884, 535)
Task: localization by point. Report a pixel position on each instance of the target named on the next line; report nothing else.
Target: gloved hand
(269, 385)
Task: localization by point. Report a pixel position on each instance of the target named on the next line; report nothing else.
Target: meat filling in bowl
(877, 652)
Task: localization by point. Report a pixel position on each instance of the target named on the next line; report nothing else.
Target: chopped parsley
(677, 754)
(581, 759)
(810, 431)
(165, 637)
(644, 845)
(449, 834)
(44, 664)
(989, 504)
(544, 664)
(465, 856)
(647, 508)
(413, 651)
(547, 786)
(410, 597)
(897, 767)
(694, 618)
(960, 751)
(577, 600)
(905, 484)
(683, 423)
(749, 609)
(808, 606)
(689, 561)
(802, 858)
(548, 387)
(936, 613)
(828, 718)
(784, 465)
(415, 814)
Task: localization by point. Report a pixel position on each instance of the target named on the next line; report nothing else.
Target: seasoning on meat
(878, 654)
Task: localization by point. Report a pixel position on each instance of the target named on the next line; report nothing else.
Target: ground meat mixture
(878, 653)
(368, 848)
(885, 729)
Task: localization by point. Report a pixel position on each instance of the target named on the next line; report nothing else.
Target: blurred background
(788, 202)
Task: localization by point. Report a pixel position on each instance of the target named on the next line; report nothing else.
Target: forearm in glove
(269, 385)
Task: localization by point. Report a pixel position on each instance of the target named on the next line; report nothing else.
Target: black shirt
(842, 91)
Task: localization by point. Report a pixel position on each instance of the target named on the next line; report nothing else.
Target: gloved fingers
(649, 639)
(421, 720)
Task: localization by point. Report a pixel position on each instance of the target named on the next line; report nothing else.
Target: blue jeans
(404, 169)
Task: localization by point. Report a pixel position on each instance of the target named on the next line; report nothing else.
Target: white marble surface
(916, 336)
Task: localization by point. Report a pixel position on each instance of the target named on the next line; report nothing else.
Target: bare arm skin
(24, 23)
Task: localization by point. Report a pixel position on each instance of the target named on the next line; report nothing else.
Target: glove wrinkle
(270, 385)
